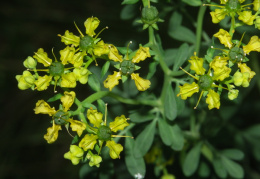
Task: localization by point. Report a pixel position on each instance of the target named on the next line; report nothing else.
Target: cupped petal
(75, 154)
(77, 126)
(253, 45)
(94, 117)
(141, 54)
(67, 100)
(94, 160)
(82, 75)
(44, 108)
(42, 57)
(245, 69)
(70, 39)
(224, 38)
(119, 124)
(197, 65)
(218, 15)
(113, 54)
(91, 24)
(68, 80)
(101, 48)
(256, 4)
(66, 55)
(43, 82)
(25, 81)
(221, 73)
(246, 17)
(187, 90)
(112, 80)
(213, 99)
(140, 83)
(88, 142)
(52, 133)
(115, 149)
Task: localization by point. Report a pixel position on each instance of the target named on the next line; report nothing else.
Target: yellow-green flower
(232, 94)
(206, 82)
(75, 154)
(241, 79)
(127, 67)
(94, 160)
(25, 81)
(246, 17)
(103, 133)
(88, 43)
(59, 117)
(245, 69)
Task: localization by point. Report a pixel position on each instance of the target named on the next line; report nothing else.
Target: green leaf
(128, 12)
(181, 56)
(233, 168)
(101, 105)
(88, 105)
(193, 2)
(144, 140)
(233, 154)
(170, 56)
(191, 160)
(219, 168)
(129, 1)
(175, 21)
(204, 170)
(165, 131)
(183, 34)
(177, 138)
(170, 106)
(93, 82)
(105, 69)
(138, 118)
(55, 98)
(75, 140)
(134, 165)
(152, 69)
(180, 102)
(253, 131)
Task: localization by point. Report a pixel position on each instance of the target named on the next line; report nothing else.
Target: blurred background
(28, 25)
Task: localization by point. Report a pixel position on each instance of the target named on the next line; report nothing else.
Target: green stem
(200, 18)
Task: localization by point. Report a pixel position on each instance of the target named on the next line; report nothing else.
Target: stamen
(189, 74)
(100, 32)
(78, 29)
(199, 100)
(241, 39)
(106, 115)
(127, 49)
(214, 5)
(122, 136)
(54, 55)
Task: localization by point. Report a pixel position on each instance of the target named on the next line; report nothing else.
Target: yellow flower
(218, 15)
(253, 45)
(75, 154)
(25, 81)
(187, 90)
(103, 133)
(224, 38)
(127, 67)
(59, 117)
(213, 99)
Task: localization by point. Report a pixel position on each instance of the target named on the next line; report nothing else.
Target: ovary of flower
(213, 99)
(141, 84)
(245, 69)
(224, 38)
(246, 17)
(52, 133)
(75, 154)
(197, 65)
(218, 15)
(187, 90)
(112, 80)
(253, 45)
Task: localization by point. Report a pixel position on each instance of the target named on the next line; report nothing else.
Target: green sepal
(75, 140)
(124, 78)
(94, 83)
(55, 98)
(117, 66)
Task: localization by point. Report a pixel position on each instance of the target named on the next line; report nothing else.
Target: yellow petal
(88, 142)
(246, 17)
(253, 45)
(94, 160)
(42, 57)
(77, 126)
(101, 48)
(141, 54)
(70, 39)
(43, 82)
(44, 108)
(197, 65)
(224, 38)
(141, 84)
(77, 59)
(112, 80)
(52, 133)
(75, 154)
(94, 117)
(245, 69)
(67, 54)
(213, 100)
(219, 62)
(119, 124)
(256, 5)
(91, 24)
(221, 73)
(218, 15)
(187, 90)
(25, 81)
(67, 100)
(115, 149)
(113, 54)
(81, 75)
(68, 80)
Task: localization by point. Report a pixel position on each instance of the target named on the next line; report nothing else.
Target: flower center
(205, 82)
(56, 69)
(104, 133)
(233, 5)
(127, 67)
(236, 54)
(86, 43)
(61, 117)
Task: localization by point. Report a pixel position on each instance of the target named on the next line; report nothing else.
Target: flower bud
(150, 15)
(30, 62)
(232, 94)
